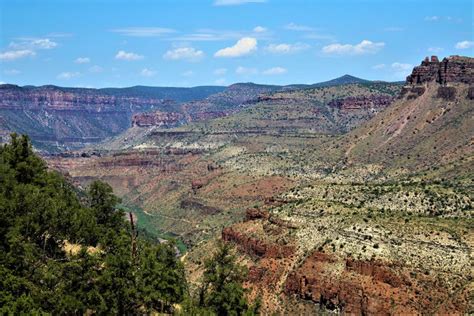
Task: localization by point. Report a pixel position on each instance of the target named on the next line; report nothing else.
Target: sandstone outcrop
(450, 70)
(372, 287)
(256, 247)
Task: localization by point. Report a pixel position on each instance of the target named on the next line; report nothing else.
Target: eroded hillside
(356, 198)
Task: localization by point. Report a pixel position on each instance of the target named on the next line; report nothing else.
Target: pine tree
(221, 290)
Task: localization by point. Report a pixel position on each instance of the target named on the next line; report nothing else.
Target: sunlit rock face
(449, 70)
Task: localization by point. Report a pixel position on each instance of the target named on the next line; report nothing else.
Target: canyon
(352, 197)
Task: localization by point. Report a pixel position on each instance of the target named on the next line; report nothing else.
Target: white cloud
(299, 28)
(464, 44)
(144, 31)
(220, 81)
(435, 49)
(364, 47)
(33, 44)
(16, 54)
(3, 82)
(82, 60)
(246, 71)
(147, 72)
(275, 71)
(184, 53)
(188, 73)
(236, 2)
(43, 43)
(379, 66)
(220, 71)
(68, 75)
(96, 69)
(432, 18)
(259, 29)
(122, 55)
(286, 48)
(12, 72)
(244, 46)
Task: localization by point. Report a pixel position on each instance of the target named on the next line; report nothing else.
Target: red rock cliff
(449, 70)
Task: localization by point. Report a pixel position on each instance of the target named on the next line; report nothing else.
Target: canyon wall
(59, 118)
(450, 70)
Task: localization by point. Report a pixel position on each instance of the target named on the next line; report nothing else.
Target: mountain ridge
(346, 78)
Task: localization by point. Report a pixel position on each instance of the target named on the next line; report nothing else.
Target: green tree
(221, 289)
(40, 211)
(103, 201)
(162, 281)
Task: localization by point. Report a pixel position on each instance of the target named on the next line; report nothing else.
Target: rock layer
(449, 70)
(362, 102)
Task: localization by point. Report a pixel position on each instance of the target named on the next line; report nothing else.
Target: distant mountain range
(184, 94)
(62, 118)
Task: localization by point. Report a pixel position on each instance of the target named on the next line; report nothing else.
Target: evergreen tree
(221, 290)
(162, 282)
(103, 202)
(39, 212)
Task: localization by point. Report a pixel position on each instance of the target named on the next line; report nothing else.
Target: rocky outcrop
(372, 287)
(252, 214)
(158, 118)
(412, 92)
(447, 93)
(450, 70)
(256, 247)
(362, 102)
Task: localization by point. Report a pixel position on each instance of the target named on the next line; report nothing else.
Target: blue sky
(219, 42)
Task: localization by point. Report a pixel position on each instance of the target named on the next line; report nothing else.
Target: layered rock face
(255, 246)
(69, 118)
(371, 287)
(335, 276)
(450, 70)
(54, 98)
(362, 102)
(158, 118)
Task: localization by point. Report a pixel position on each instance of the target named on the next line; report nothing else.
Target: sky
(117, 43)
